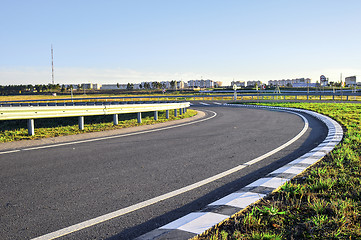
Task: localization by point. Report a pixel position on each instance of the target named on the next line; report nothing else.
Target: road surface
(48, 189)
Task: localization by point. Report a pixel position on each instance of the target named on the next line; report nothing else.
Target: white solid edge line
(123, 211)
(111, 137)
(11, 151)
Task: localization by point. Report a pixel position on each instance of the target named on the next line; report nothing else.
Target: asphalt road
(44, 190)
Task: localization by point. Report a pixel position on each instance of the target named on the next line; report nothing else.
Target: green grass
(322, 203)
(15, 130)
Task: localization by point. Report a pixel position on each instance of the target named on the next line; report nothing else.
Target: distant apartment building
(73, 86)
(117, 86)
(238, 83)
(109, 86)
(181, 85)
(298, 82)
(83, 86)
(253, 83)
(201, 83)
(86, 86)
(350, 81)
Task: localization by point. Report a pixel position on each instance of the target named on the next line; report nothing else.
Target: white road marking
(205, 104)
(217, 103)
(118, 213)
(12, 151)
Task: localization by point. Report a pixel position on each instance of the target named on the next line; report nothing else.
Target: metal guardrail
(11, 113)
(35, 112)
(40, 102)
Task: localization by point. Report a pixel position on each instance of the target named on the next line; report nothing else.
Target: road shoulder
(84, 136)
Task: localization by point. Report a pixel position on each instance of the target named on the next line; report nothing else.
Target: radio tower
(52, 65)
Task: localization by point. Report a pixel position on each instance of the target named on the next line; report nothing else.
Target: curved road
(44, 190)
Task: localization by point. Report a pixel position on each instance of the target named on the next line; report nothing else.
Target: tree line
(16, 89)
(38, 88)
(56, 88)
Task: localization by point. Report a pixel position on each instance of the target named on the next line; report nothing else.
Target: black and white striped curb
(197, 222)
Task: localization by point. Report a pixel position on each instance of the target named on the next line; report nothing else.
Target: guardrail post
(184, 110)
(167, 114)
(155, 115)
(295, 97)
(307, 97)
(139, 117)
(175, 112)
(81, 122)
(115, 119)
(347, 98)
(31, 131)
(180, 111)
(320, 96)
(333, 97)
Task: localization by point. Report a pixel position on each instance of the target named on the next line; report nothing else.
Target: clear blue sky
(160, 40)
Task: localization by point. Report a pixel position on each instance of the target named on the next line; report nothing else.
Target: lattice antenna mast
(52, 65)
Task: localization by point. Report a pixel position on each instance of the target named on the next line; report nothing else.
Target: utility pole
(52, 65)
(341, 86)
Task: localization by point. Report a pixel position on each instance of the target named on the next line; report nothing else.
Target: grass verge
(322, 203)
(15, 130)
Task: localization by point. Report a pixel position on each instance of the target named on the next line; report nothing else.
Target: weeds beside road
(322, 203)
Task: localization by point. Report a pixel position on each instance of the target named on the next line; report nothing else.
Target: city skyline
(135, 41)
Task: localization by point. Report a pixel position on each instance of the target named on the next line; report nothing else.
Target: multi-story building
(110, 86)
(181, 85)
(238, 83)
(87, 85)
(253, 83)
(350, 81)
(201, 83)
(290, 82)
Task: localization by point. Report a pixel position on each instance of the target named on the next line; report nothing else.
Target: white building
(238, 83)
(113, 86)
(289, 82)
(201, 83)
(253, 83)
(181, 85)
(87, 85)
(350, 81)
